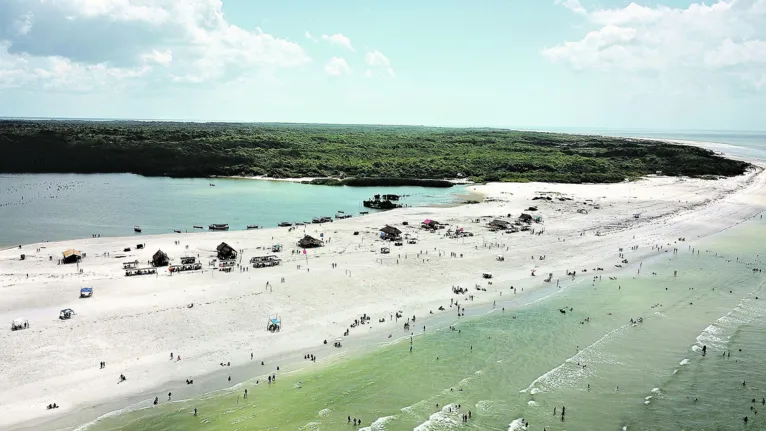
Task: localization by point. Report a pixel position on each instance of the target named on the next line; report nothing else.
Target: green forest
(360, 152)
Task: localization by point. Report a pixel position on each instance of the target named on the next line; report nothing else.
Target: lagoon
(51, 207)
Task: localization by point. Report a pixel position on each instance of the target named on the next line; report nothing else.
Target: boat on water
(212, 185)
(218, 226)
(198, 227)
(253, 226)
(137, 229)
(177, 230)
(284, 224)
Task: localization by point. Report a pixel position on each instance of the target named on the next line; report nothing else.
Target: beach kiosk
(86, 292)
(72, 256)
(19, 323)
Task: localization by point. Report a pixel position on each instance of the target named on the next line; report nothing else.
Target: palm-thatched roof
(160, 259)
(502, 224)
(71, 255)
(309, 241)
(225, 251)
(390, 230)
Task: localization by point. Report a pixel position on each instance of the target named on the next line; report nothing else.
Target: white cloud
(337, 66)
(339, 39)
(573, 5)
(703, 37)
(377, 59)
(55, 43)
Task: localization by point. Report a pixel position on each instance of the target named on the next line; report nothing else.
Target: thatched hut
(526, 218)
(500, 224)
(72, 256)
(160, 259)
(309, 241)
(226, 252)
(389, 232)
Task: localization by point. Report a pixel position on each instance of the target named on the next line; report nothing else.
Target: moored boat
(218, 226)
(253, 226)
(137, 229)
(198, 227)
(285, 224)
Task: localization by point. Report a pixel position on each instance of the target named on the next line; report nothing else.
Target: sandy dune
(134, 323)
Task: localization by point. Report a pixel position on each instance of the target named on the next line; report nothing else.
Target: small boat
(198, 227)
(363, 212)
(136, 229)
(253, 226)
(212, 185)
(285, 224)
(218, 226)
(177, 230)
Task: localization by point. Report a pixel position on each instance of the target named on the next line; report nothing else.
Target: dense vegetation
(362, 152)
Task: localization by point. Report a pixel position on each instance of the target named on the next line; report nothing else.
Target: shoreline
(321, 303)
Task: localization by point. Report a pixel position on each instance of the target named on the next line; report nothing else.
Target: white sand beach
(135, 323)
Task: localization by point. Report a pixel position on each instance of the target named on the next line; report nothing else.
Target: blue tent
(86, 292)
(275, 321)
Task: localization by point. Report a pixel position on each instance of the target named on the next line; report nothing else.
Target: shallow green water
(523, 362)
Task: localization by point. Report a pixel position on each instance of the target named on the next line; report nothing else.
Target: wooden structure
(72, 256)
(194, 266)
(187, 260)
(265, 261)
(526, 218)
(310, 242)
(389, 232)
(499, 224)
(139, 271)
(130, 265)
(160, 259)
(226, 252)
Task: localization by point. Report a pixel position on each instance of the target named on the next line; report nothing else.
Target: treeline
(359, 152)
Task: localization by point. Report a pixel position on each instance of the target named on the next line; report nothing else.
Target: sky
(659, 64)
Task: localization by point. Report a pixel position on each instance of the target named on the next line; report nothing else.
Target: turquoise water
(529, 359)
(55, 207)
(747, 145)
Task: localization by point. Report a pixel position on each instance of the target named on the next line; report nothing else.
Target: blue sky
(663, 64)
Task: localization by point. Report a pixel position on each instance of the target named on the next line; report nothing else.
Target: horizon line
(516, 128)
